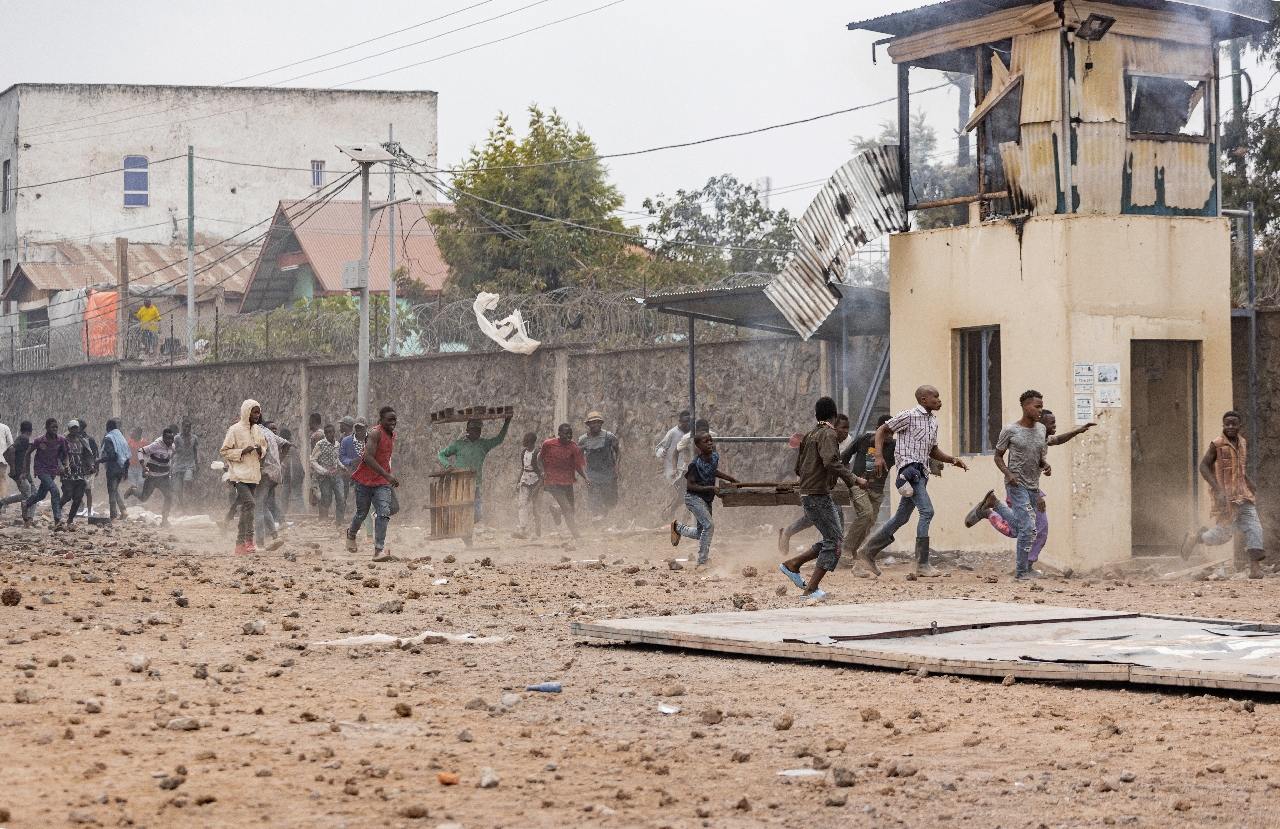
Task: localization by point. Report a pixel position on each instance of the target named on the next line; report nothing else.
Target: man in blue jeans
(46, 461)
(1026, 442)
(916, 434)
(374, 483)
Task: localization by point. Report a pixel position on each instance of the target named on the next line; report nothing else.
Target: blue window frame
(136, 191)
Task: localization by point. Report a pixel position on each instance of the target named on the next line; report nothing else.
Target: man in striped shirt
(916, 433)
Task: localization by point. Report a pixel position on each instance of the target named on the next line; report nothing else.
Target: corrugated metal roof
(330, 235)
(862, 201)
(1226, 18)
(157, 266)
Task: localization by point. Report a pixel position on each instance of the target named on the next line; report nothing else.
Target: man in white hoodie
(243, 449)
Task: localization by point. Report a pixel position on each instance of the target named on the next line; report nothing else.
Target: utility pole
(391, 246)
(191, 254)
(122, 297)
(366, 155)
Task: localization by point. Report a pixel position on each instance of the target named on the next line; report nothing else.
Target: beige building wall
(1069, 289)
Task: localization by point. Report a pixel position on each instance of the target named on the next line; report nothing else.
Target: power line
(630, 236)
(481, 45)
(409, 45)
(683, 144)
(94, 175)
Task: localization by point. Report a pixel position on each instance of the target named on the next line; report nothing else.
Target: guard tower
(1095, 266)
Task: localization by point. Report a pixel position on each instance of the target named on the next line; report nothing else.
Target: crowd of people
(350, 462)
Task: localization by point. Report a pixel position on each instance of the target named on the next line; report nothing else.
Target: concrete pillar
(561, 386)
(116, 408)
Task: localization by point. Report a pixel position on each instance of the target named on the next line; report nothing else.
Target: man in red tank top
(373, 483)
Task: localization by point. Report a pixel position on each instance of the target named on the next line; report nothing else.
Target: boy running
(701, 491)
(46, 459)
(1225, 468)
(157, 472)
(916, 443)
(818, 465)
(529, 486)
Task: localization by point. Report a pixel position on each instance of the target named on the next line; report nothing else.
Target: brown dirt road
(287, 734)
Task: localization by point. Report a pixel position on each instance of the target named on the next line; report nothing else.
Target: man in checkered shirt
(916, 431)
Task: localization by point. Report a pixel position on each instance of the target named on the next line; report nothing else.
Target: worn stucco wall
(754, 387)
(1073, 288)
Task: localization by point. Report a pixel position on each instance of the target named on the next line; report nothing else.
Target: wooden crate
(462, 415)
(452, 503)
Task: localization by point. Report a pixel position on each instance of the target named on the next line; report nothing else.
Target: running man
(603, 452)
(243, 449)
(186, 452)
(916, 433)
(818, 465)
(469, 452)
(115, 460)
(986, 508)
(46, 460)
(562, 463)
(81, 463)
(326, 477)
(803, 522)
(158, 460)
(1225, 467)
(374, 484)
(16, 456)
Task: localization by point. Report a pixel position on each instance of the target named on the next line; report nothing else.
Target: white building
(89, 162)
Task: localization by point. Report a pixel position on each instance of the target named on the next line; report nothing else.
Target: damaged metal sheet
(1170, 174)
(1097, 84)
(1031, 168)
(1100, 159)
(862, 201)
(1036, 57)
(977, 638)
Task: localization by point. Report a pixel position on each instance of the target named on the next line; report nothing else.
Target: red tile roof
(329, 235)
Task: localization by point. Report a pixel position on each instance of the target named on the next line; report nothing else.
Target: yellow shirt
(148, 316)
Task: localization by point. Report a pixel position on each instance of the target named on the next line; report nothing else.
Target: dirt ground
(132, 695)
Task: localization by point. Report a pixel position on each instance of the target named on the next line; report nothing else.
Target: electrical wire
(480, 45)
(603, 156)
(94, 175)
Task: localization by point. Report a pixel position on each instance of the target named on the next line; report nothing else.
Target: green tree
(721, 229)
(934, 174)
(489, 246)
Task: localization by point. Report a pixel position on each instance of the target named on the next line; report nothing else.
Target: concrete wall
(57, 131)
(1071, 288)
(758, 387)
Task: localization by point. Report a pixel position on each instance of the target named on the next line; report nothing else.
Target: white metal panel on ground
(862, 201)
(976, 638)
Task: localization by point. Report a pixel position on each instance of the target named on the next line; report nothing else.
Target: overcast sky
(633, 73)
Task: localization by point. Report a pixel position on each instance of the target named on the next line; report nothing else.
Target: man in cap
(469, 451)
(603, 452)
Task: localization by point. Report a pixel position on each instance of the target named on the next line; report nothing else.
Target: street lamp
(366, 155)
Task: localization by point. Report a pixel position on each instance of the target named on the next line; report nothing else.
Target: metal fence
(570, 317)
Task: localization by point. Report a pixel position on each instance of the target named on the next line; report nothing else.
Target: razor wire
(328, 330)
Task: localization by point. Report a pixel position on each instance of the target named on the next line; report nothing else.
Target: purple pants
(1042, 530)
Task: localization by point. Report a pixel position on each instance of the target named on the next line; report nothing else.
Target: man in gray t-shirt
(1025, 442)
